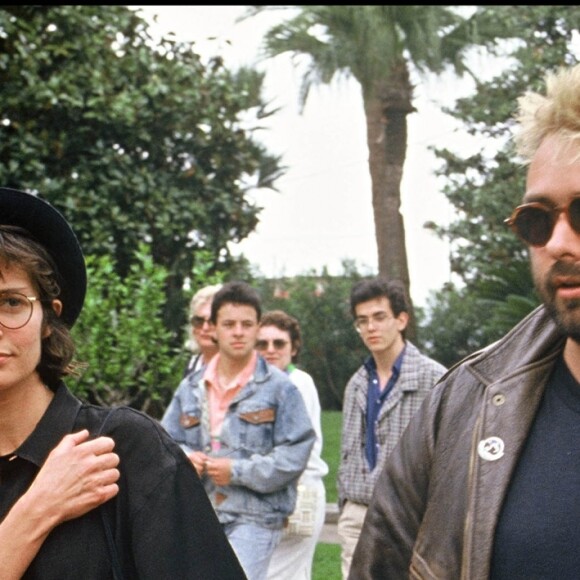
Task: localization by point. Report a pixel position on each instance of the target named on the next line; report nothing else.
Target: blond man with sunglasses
(485, 482)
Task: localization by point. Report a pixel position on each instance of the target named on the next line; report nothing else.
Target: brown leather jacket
(437, 501)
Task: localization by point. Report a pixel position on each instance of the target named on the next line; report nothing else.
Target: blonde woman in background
(279, 342)
(202, 333)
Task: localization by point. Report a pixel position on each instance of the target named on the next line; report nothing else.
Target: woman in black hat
(160, 523)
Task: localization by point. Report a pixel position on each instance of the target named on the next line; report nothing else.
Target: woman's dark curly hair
(19, 249)
(287, 323)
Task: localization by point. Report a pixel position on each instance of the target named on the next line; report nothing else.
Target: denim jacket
(266, 432)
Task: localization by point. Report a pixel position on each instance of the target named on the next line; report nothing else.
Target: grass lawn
(326, 565)
(331, 428)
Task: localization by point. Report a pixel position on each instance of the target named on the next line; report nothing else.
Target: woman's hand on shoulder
(78, 475)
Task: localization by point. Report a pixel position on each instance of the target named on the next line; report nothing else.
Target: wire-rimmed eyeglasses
(361, 323)
(16, 309)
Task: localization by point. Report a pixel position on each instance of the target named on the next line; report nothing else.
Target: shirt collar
(243, 377)
(371, 365)
(57, 421)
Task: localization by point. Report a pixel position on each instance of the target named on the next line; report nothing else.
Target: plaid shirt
(418, 375)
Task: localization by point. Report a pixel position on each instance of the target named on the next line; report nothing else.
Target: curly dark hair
(287, 323)
(19, 249)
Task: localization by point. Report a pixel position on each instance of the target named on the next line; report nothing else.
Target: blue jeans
(254, 546)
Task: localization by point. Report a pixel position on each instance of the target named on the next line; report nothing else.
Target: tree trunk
(386, 110)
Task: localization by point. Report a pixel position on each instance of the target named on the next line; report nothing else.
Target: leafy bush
(331, 350)
(121, 338)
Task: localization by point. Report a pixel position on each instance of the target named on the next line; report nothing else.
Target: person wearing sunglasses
(379, 399)
(485, 482)
(244, 427)
(202, 340)
(279, 342)
(147, 515)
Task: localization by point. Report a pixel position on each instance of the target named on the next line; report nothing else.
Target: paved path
(329, 534)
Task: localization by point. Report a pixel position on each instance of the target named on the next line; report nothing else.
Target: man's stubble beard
(566, 315)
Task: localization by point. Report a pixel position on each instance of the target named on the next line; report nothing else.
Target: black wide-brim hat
(49, 227)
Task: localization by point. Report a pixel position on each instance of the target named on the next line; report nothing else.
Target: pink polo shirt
(219, 396)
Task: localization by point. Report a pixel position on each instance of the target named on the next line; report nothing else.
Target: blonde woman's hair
(557, 113)
(202, 296)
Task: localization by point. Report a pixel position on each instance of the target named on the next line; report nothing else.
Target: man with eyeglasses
(486, 480)
(379, 400)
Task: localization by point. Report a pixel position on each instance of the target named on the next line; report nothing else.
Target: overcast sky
(323, 213)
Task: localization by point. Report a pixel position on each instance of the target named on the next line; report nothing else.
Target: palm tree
(377, 45)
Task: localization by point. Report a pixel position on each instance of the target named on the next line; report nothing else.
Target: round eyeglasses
(534, 222)
(361, 323)
(15, 309)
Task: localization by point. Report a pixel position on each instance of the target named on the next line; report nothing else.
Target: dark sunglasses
(278, 343)
(534, 222)
(199, 321)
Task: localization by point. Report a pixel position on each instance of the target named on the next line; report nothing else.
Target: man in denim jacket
(245, 428)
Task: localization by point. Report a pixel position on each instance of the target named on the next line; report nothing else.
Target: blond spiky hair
(557, 113)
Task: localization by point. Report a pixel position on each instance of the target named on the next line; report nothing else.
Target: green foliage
(202, 273)
(508, 295)
(483, 192)
(326, 565)
(136, 139)
(484, 188)
(121, 338)
(367, 41)
(452, 326)
(332, 350)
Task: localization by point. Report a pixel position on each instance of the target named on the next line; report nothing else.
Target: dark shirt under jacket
(162, 520)
(537, 534)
